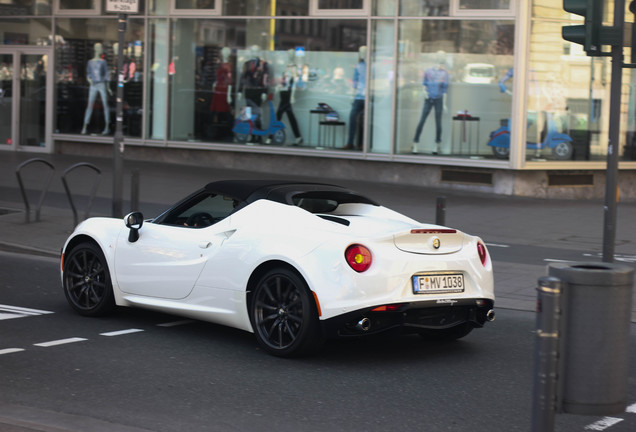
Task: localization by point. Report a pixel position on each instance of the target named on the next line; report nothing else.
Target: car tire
(284, 315)
(447, 334)
(86, 280)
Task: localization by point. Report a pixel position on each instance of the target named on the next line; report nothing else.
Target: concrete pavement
(523, 235)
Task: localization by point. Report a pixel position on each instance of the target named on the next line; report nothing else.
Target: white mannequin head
(225, 54)
(255, 51)
(99, 50)
(362, 52)
(440, 57)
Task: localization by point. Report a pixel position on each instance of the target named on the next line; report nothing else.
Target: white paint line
(631, 409)
(24, 311)
(497, 245)
(121, 332)
(557, 260)
(10, 350)
(10, 312)
(175, 323)
(603, 423)
(59, 342)
(6, 316)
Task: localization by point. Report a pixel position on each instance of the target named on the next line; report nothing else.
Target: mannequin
(220, 107)
(287, 89)
(357, 108)
(254, 80)
(97, 77)
(435, 83)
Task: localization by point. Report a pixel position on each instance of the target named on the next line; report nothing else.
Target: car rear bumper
(410, 317)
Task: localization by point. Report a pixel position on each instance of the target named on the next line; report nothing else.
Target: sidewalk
(548, 229)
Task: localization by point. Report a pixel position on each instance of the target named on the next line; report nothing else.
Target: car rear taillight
(358, 257)
(482, 252)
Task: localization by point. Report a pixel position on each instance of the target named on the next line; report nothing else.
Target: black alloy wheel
(284, 315)
(87, 284)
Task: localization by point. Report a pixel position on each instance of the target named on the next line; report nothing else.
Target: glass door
(26, 108)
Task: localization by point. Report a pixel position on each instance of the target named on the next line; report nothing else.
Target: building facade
(480, 95)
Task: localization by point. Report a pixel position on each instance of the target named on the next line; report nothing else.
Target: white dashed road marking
(121, 332)
(603, 423)
(10, 312)
(10, 350)
(59, 342)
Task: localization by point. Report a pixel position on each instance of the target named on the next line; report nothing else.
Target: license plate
(438, 283)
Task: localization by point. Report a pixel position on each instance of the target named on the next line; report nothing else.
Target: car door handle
(205, 244)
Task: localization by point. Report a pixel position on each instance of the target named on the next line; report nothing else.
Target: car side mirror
(134, 221)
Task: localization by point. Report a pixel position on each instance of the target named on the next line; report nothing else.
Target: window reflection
(235, 81)
(85, 77)
(446, 72)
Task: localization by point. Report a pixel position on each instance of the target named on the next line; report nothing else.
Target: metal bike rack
(23, 190)
(93, 191)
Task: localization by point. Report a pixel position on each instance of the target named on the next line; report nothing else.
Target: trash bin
(596, 313)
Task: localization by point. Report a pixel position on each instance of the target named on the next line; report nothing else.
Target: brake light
(358, 257)
(387, 308)
(482, 252)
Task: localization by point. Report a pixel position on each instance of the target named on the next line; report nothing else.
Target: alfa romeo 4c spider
(294, 263)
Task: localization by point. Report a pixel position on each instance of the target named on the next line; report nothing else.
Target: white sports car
(294, 263)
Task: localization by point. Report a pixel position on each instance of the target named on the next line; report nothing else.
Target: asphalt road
(138, 370)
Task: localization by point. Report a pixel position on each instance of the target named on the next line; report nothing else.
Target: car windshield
(201, 211)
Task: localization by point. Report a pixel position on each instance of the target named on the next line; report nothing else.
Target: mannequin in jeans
(357, 108)
(287, 90)
(435, 87)
(97, 77)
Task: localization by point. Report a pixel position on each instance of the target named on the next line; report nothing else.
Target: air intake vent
(570, 180)
(465, 176)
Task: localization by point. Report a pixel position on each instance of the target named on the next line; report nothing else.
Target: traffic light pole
(611, 191)
(118, 142)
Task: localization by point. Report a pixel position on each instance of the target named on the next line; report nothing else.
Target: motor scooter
(560, 143)
(244, 125)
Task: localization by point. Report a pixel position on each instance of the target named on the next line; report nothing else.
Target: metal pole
(118, 144)
(609, 226)
(440, 213)
(546, 364)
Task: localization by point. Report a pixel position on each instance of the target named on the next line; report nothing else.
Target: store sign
(122, 6)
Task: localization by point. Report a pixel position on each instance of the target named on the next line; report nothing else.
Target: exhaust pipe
(364, 324)
(490, 315)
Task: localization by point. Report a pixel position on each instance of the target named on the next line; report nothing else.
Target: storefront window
(381, 81)
(198, 7)
(159, 63)
(232, 81)
(423, 8)
(339, 7)
(32, 31)
(25, 7)
(449, 98)
(568, 99)
(85, 76)
(78, 7)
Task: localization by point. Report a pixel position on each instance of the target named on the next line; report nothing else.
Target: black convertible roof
(281, 190)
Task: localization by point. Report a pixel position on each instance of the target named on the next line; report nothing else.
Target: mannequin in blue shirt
(97, 76)
(359, 86)
(435, 87)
